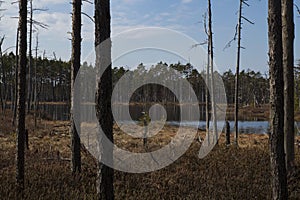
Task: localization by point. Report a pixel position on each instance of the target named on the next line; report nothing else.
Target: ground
(226, 173)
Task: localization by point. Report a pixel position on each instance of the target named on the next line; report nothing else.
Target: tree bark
(104, 93)
(207, 93)
(4, 94)
(21, 107)
(35, 81)
(278, 169)
(29, 92)
(288, 73)
(16, 77)
(75, 66)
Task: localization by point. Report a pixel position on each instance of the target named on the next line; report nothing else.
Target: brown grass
(226, 173)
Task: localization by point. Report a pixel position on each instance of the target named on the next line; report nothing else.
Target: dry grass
(226, 173)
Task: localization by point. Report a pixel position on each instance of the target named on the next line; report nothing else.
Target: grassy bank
(226, 173)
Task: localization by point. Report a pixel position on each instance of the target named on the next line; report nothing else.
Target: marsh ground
(226, 173)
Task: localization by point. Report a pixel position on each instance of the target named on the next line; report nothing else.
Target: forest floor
(226, 173)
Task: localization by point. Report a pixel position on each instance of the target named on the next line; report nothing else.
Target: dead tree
(3, 93)
(278, 168)
(211, 55)
(35, 82)
(104, 93)
(16, 77)
(29, 92)
(32, 23)
(75, 66)
(207, 82)
(238, 37)
(236, 101)
(21, 107)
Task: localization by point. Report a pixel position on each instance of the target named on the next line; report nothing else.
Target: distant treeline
(53, 82)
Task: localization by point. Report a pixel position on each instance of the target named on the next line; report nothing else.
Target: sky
(183, 16)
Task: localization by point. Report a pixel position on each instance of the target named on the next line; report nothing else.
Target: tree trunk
(29, 92)
(16, 77)
(5, 90)
(278, 170)
(75, 66)
(104, 92)
(21, 107)
(35, 81)
(210, 36)
(1, 93)
(207, 93)
(236, 103)
(288, 73)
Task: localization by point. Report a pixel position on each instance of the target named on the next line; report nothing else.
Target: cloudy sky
(184, 16)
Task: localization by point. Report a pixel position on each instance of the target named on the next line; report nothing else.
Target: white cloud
(59, 23)
(47, 3)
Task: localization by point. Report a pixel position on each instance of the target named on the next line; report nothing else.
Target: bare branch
(200, 44)
(297, 8)
(40, 24)
(88, 17)
(40, 9)
(248, 20)
(244, 2)
(204, 23)
(88, 2)
(228, 45)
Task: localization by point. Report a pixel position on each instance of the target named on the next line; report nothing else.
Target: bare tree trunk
(236, 103)
(215, 131)
(21, 107)
(207, 93)
(278, 170)
(5, 90)
(35, 81)
(1, 93)
(288, 73)
(75, 66)
(16, 77)
(12, 91)
(29, 92)
(104, 92)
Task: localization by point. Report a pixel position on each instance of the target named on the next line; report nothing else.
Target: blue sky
(181, 15)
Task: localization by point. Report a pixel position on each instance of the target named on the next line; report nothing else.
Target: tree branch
(297, 8)
(244, 2)
(204, 24)
(40, 9)
(88, 2)
(228, 45)
(88, 17)
(200, 44)
(248, 20)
